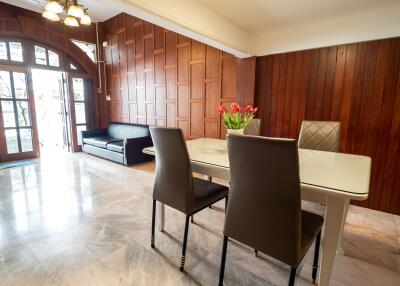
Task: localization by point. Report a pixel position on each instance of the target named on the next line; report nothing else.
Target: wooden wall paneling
(386, 153)
(288, 96)
(358, 84)
(338, 84)
(296, 92)
(245, 80)
(304, 87)
(168, 79)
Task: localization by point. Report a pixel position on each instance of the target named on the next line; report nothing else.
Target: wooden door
(79, 93)
(19, 138)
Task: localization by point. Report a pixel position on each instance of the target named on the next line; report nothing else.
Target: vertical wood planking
(357, 84)
(158, 77)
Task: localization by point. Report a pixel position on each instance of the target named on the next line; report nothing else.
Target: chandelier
(72, 12)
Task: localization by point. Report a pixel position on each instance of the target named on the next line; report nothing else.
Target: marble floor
(74, 219)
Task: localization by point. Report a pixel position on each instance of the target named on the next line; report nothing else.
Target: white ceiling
(97, 12)
(257, 27)
(261, 16)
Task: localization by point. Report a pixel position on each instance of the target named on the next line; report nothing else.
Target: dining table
(328, 178)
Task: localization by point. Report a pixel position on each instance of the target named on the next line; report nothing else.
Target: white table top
(340, 173)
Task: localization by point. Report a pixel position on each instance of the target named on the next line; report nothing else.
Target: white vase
(235, 131)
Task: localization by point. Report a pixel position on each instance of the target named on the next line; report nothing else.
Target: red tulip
(221, 109)
(235, 107)
(248, 108)
(255, 110)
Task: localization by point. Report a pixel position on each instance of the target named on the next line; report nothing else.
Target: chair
(253, 128)
(320, 135)
(174, 184)
(264, 208)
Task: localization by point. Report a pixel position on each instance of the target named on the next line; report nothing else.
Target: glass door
(80, 117)
(16, 107)
(65, 113)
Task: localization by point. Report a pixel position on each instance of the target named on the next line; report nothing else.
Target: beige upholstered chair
(320, 135)
(253, 128)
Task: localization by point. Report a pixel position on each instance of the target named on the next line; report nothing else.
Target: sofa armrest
(93, 133)
(134, 150)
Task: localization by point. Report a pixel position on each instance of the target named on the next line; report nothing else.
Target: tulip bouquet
(239, 117)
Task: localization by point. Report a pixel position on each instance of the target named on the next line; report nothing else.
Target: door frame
(35, 153)
(75, 147)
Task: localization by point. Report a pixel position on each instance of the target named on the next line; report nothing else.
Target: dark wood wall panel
(158, 77)
(357, 84)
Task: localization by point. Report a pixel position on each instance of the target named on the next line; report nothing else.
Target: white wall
(369, 25)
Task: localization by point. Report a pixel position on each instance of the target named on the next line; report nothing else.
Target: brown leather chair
(174, 184)
(320, 135)
(264, 208)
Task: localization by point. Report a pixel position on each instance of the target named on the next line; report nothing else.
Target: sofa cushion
(116, 146)
(100, 141)
(90, 140)
(123, 131)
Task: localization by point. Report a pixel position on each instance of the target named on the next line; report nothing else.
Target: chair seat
(206, 193)
(116, 146)
(311, 225)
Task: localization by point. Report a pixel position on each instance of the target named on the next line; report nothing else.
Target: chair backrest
(253, 128)
(173, 183)
(264, 207)
(320, 135)
(124, 130)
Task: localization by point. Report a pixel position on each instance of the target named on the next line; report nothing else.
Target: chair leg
(153, 223)
(292, 276)
(223, 259)
(226, 203)
(316, 257)
(185, 236)
(255, 252)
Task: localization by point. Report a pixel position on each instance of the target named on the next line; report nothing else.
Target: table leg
(161, 216)
(333, 222)
(340, 249)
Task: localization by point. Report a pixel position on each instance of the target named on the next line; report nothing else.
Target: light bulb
(75, 10)
(85, 20)
(54, 7)
(71, 21)
(51, 16)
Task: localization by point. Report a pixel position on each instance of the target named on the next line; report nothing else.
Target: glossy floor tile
(75, 219)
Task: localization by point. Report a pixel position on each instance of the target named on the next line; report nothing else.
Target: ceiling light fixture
(71, 21)
(70, 10)
(85, 19)
(75, 10)
(54, 6)
(51, 16)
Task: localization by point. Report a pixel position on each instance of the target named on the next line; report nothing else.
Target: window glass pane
(79, 93)
(3, 51)
(79, 130)
(15, 51)
(5, 85)
(54, 59)
(88, 48)
(24, 118)
(12, 142)
(20, 85)
(80, 113)
(26, 140)
(40, 55)
(7, 108)
(73, 67)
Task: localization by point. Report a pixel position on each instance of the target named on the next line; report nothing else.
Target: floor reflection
(75, 219)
